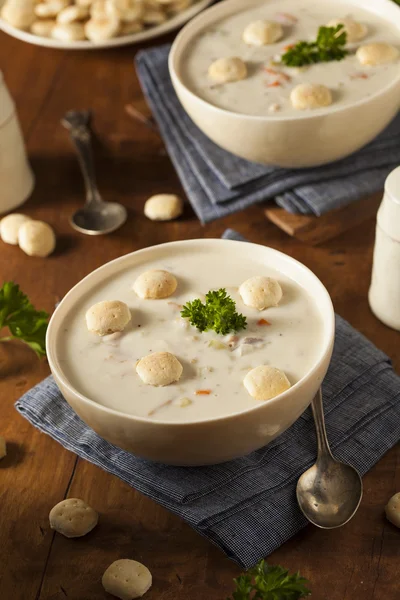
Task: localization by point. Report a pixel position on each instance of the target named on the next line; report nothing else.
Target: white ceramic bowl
(306, 140)
(208, 441)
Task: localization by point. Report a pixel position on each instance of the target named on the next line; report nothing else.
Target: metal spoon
(330, 492)
(96, 217)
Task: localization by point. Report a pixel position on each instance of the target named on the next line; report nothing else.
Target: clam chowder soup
(156, 365)
(236, 64)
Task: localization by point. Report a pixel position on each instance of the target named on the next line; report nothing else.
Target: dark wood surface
(358, 562)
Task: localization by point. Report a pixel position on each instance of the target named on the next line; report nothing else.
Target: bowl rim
(54, 328)
(222, 9)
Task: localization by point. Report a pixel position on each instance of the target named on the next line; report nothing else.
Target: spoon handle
(77, 122)
(317, 408)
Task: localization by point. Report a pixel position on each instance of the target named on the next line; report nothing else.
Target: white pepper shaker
(16, 177)
(384, 293)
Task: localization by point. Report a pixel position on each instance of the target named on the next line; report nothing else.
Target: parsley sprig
(217, 313)
(24, 322)
(329, 45)
(266, 582)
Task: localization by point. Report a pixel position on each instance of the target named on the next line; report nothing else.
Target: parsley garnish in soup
(217, 313)
(329, 45)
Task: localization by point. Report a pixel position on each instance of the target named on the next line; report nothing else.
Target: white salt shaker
(16, 177)
(384, 293)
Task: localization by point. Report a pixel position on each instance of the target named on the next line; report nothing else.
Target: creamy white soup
(266, 88)
(288, 337)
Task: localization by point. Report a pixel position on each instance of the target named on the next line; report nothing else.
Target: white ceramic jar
(384, 293)
(16, 177)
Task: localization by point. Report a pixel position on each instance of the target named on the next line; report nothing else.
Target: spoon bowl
(104, 218)
(328, 493)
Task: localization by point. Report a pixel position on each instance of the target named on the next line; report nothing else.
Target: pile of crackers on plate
(94, 20)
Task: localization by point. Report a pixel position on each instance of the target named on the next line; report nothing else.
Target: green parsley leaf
(328, 46)
(265, 582)
(218, 313)
(24, 322)
(244, 587)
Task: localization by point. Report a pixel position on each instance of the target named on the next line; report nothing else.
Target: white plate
(125, 40)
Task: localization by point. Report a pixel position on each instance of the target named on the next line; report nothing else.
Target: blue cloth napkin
(218, 183)
(248, 506)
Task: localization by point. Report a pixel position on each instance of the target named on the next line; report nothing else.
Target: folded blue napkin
(218, 183)
(248, 506)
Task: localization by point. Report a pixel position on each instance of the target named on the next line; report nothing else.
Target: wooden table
(357, 562)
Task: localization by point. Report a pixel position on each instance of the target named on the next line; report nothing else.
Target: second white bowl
(302, 141)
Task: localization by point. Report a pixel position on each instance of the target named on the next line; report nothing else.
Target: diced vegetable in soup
(249, 333)
(280, 77)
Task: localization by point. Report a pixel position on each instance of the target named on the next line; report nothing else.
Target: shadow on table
(17, 361)
(15, 455)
